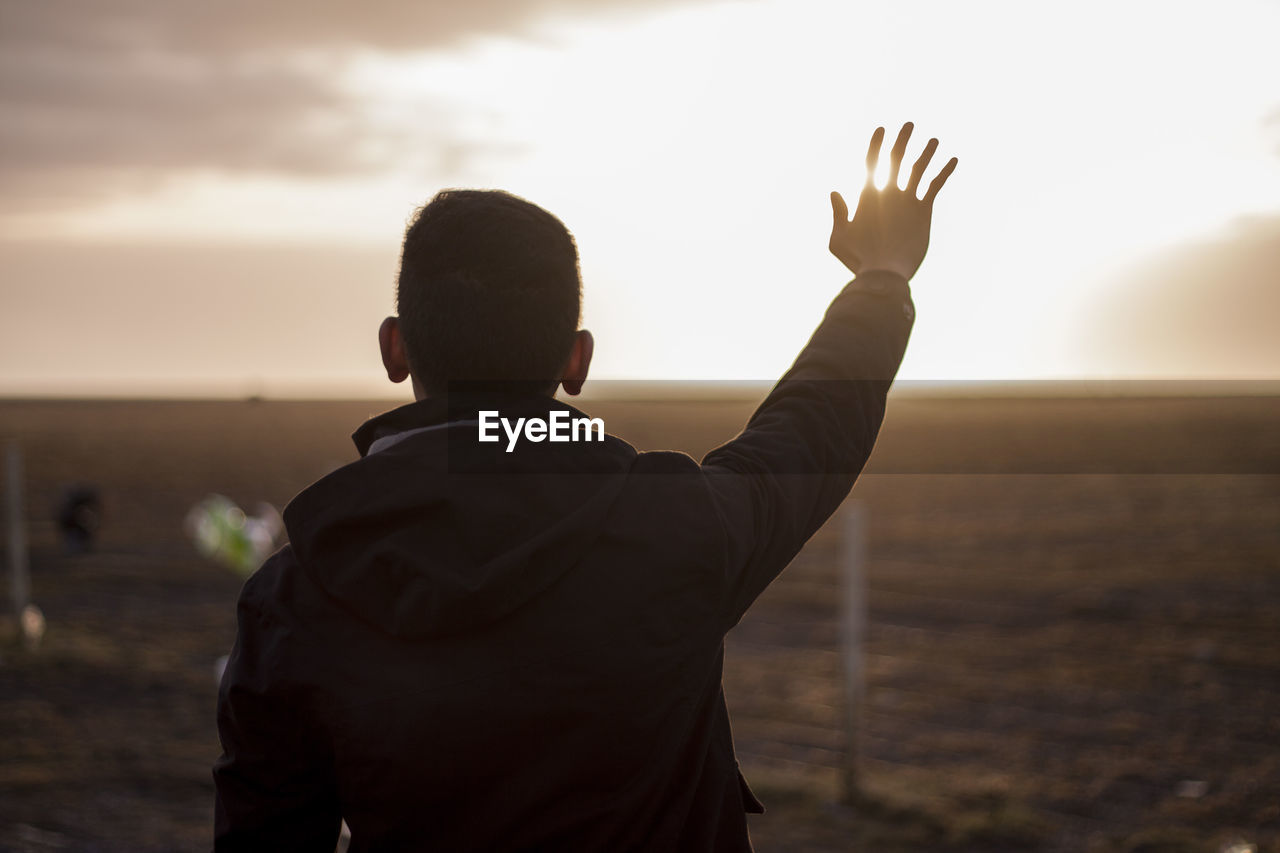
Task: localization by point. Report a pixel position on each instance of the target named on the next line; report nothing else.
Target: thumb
(839, 210)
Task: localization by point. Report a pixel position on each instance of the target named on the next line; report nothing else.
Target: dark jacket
(467, 649)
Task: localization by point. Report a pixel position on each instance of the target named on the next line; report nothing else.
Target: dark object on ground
(79, 515)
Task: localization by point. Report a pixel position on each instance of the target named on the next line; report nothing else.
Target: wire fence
(1124, 678)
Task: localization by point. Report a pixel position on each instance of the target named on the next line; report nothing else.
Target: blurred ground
(1073, 641)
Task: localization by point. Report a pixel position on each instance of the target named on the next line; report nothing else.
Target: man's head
(489, 292)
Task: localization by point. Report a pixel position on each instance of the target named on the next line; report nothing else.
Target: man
(517, 644)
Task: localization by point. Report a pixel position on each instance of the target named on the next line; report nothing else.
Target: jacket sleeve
(780, 479)
(274, 783)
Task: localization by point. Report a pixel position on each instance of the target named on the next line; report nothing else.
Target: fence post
(19, 577)
(853, 620)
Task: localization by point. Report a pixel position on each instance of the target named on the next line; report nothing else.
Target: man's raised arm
(807, 442)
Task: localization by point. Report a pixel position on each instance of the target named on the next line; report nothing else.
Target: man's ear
(392, 346)
(575, 370)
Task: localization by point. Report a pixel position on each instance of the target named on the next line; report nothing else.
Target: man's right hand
(890, 229)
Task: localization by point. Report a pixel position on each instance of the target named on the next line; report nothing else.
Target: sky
(208, 199)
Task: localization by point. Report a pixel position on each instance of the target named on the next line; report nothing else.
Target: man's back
(550, 642)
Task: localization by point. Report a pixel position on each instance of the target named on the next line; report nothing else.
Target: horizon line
(687, 390)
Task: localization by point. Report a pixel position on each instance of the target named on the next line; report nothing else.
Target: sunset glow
(691, 149)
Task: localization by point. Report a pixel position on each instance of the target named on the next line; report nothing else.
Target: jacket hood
(433, 533)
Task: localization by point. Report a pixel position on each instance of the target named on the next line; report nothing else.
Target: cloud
(104, 96)
(161, 111)
(250, 25)
(1204, 309)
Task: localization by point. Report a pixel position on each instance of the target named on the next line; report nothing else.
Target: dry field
(1073, 640)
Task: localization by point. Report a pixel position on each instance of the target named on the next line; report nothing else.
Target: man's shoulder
(272, 584)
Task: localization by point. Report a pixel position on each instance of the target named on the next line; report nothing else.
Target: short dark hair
(490, 292)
